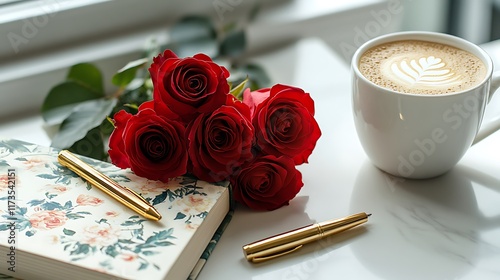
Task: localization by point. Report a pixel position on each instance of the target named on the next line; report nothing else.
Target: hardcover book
(54, 225)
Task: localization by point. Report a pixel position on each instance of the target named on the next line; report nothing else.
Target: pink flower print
(100, 235)
(194, 204)
(4, 181)
(128, 257)
(152, 188)
(112, 213)
(48, 219)
(56, 189)
(59, 188)
(34, 163)
(84, 199)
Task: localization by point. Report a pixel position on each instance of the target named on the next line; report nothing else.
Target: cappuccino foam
(421, 67)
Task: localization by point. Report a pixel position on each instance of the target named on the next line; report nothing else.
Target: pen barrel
(336, 226)
(106, 184)
(290, 241)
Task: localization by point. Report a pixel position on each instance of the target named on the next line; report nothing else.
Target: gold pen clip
(262, 259)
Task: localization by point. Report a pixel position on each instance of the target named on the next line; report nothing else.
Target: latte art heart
(421, 67)
(430, 71)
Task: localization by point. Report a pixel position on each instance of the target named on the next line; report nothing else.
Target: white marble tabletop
(442, 228)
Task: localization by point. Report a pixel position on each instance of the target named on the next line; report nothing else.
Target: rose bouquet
(196, 124)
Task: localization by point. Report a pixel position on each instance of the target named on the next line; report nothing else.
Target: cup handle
(494, 84)
(488, 128)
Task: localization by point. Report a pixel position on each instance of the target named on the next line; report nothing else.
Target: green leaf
(238, 90)
(82, 119)
(68, 204)
(51, 206)
(22, 210)
(150, 241)
(233, 44)
(111, 251)
(35, 202)
(194, 34)
(132, 106)
(164, 243)
(143, 266)
(164, 234)
(68, 232)
(47, 176)
(180, 216)
(50, 195)
(24, 224)
(131, 223)
(15, 145)
(83, 249)
(125, 75)
(192, 27)
(61, 100)
(257, 76)
(131, 98)
(126, 241)
(91, 145)
(107, 126)
(202, 215)
(88, 75)
(161, 197)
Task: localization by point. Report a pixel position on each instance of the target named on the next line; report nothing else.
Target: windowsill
(29, 129)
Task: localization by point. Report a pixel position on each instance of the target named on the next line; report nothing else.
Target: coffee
(421, 67)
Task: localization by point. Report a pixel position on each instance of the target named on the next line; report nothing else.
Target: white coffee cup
(418, 135)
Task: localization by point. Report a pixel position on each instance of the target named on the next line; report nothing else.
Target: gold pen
(124, 195)
(288, 242)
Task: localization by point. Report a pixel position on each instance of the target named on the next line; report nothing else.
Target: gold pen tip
(153, 214)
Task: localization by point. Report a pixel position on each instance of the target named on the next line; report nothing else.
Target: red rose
(188, 86)
(117, 153)
(116, 145)
(267, 182)
(220, 141)
(152, 146)
(283, 118)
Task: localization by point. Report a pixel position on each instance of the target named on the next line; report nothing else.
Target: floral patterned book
(54, 225)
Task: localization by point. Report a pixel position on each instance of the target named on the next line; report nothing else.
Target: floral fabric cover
(60, 216)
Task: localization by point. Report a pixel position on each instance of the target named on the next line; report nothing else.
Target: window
(42, 38)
